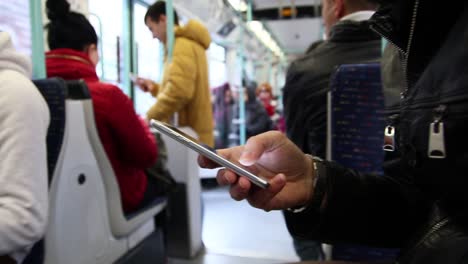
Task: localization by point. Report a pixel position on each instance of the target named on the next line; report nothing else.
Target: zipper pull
(389, 134)
(389, 139)
(403, 94)
(436, 149)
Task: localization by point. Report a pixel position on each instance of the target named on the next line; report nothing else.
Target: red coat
(127, 140)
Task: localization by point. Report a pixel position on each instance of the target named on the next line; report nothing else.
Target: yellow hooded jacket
(184, 88)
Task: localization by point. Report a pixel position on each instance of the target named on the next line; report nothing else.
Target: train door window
(149, 57)
(15, 20)
(108, 26)
(217, 65)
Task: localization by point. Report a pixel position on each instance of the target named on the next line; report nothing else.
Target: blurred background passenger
(24, 119)
(257, 120)
(349, 40)
(128, 143)
(265, 94)
(223, 114)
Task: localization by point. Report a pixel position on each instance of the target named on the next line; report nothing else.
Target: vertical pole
(37, 39)
(269, 69)
(242, 127)
(127, 45)
(100, 45)
(170, 29)
(249, 11)
(161, 62)
(281, 69)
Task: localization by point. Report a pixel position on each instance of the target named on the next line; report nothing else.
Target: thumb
(257, 145)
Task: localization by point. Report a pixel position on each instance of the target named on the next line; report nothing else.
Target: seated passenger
(24, 119)
(128, 143)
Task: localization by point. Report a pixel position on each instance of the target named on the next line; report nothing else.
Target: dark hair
(156, 10)
(68, 29)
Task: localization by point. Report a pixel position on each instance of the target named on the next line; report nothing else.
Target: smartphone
(206, 151)
(133, 77)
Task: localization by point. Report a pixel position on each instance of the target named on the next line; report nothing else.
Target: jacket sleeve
(361, 209)
(136, 144)
(179, 88)
(24, 120)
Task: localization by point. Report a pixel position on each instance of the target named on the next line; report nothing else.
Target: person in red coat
(126, 138)
(265, 94)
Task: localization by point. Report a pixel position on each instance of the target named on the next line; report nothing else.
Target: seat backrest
(356, 117)
(78, 228)
(121, 226)
(356, 125)
(54, 92)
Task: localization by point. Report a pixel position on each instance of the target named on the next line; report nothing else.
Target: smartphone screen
(206, 151)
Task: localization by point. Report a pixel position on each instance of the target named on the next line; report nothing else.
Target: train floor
(234, 232)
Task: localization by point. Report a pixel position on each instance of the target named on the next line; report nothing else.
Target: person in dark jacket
(257, 120)
(420, 204)
(129, 145)
(350, 40)
(223, 114)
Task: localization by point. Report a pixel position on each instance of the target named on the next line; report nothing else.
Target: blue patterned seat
(357, 126)
(54, 92)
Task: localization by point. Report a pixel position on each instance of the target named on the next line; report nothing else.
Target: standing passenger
(128, 143)
(24, 119)
(349, 40)
(184, 89)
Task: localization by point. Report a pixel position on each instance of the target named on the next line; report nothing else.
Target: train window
(15, 19)
(217, 65)
(107, 25)
(149, 57)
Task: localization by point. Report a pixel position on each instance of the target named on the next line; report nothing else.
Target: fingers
(257, 145)
(206, 163)
(225, 177)
(264, 200)
(142, 83)
(240, 190)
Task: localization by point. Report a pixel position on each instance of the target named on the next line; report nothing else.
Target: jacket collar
(349, 31)
(358, 16)
(411, 27)
(70, 65)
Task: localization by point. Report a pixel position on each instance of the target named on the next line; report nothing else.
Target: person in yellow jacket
(184, 89)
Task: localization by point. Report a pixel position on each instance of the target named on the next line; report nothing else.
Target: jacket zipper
(432, 102)
(436, 146)
(431, 231)
(404, 62)
(389, 134)
(408, 48)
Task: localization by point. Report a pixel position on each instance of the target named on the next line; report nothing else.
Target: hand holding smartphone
(206, 151)
(133, 77)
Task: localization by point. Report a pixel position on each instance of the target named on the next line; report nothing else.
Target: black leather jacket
(421, 204)
(307, 81)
